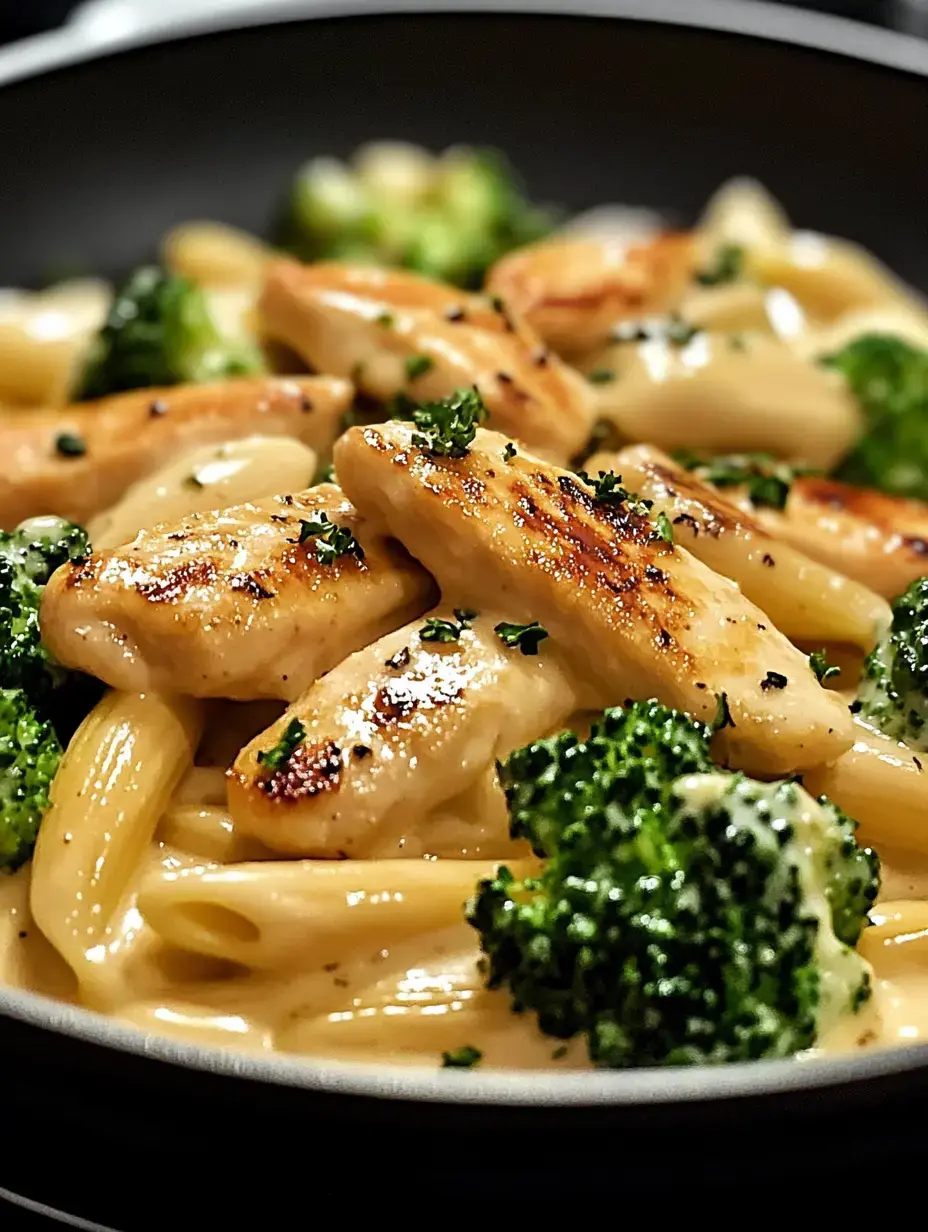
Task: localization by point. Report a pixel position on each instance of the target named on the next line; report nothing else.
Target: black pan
(99, 157)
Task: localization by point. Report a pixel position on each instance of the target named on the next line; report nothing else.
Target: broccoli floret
(683, 914)
(893, 693)
(29, 756)
(889, 378)
(159, 331)
(450, 220)
(29, 555)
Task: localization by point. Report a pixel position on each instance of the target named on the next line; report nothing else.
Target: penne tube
(207, 831)
(882, 784)
(113, 784)
(205, 478)
(271, 914)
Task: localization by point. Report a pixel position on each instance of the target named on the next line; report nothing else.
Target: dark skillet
(98, 159)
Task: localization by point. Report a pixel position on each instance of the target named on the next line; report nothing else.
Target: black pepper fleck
(774, 680)
(768, 560)
(361, 751)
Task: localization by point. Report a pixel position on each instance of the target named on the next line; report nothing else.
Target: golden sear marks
(309, 770)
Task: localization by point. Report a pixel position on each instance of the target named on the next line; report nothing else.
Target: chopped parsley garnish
(294, 733)
(447, 428)
(821, 667)
(418, 365)
(600, 376)
(509, 452)
(400, 659)
(608, 489)
(70, 445)
(768, 480)
(723, 717)
(387, 320)
(526, 637)
(774, 680)
(331, 541)
(737, 342)
(437, 630)
(465, 1057)
(663, 527)
(726, 266)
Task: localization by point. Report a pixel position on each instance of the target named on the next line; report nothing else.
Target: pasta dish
(452, 633)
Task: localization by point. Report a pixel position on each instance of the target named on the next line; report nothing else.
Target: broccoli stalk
(32, 717)
(889, 378)
(683, 914)
(893, 692)
(160, 332)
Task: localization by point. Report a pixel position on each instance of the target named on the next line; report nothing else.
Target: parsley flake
(663, 528)
(723, 717)
(447, 428)
(822, 669)
(70, 445)
(600, 376)
(293, 734)
(726, 266)
(465, 1057)
(418, 365)
(766, 479)
(331, 541)
(509, 452)
(526, 637)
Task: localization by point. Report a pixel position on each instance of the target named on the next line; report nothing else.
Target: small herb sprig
(293, 735)
(465, 1057)
(331, 541)
(767, 479)
(525, 637)
(821, 668)
(447, 428)
(437, 630)
(727, 265)
(608, 489)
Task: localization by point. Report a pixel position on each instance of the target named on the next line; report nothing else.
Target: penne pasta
(270, 914)
(115, 779)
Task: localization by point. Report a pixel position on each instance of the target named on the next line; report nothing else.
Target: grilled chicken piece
(636, 616)
(394, 332)
(79, 460)
(573, 292)
(879, 540)
(805, 599)
(703, 393)
(399, 749)
(229, 603)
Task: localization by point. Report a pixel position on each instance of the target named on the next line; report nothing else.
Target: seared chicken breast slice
(79, 460)
(635, 615)
(230, 603)
(394, 333)
(398, 746)
(805, 599)
(574, 291)
(880, 540)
